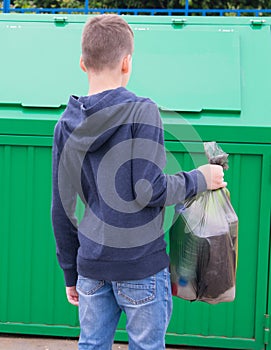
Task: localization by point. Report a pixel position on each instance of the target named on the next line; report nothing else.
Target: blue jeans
(147, 304)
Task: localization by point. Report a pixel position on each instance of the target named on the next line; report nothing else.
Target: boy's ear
(82, 65)
(126, 64)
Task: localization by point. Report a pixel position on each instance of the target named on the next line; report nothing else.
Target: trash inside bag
(203, 243)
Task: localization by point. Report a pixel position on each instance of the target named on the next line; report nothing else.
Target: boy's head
(106, 40)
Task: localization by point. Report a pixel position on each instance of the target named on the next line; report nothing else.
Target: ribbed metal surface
(33, 295)
(241, 319)
(33, 288)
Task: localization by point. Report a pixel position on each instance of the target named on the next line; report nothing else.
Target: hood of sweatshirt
(89, 121)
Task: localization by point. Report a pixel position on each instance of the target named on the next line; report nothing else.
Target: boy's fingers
(72, 295)
(73, 300)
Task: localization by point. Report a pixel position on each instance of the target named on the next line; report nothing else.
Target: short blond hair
(105, 40)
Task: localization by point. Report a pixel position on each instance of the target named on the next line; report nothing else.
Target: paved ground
(8, 342)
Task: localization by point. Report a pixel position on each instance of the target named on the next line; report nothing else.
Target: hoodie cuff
(70, 277)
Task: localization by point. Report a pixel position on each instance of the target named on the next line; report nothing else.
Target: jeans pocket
(88, 286)
(138, 291)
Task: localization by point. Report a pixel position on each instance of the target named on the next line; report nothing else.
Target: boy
(109, 150)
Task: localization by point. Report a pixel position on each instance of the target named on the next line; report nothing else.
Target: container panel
(28, 262)
(242, 318)
(211, 77)
(33, 291)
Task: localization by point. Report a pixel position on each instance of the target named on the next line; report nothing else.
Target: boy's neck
(103, 81)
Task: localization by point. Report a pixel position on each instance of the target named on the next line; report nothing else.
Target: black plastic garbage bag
(203, 243)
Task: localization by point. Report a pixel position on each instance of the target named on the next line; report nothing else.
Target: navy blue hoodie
(109, 151)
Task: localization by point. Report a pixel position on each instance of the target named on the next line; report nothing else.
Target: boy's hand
(214, 176)
(72, 295)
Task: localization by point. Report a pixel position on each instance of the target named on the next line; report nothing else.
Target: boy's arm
(183, 185)
(206, 177)
(162, 189)
(64, 221)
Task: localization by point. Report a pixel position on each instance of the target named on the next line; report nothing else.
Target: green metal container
(211, 79)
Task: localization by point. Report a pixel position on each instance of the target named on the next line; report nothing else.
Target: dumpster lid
(188, 69)
(40, 62)
(181, 69)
